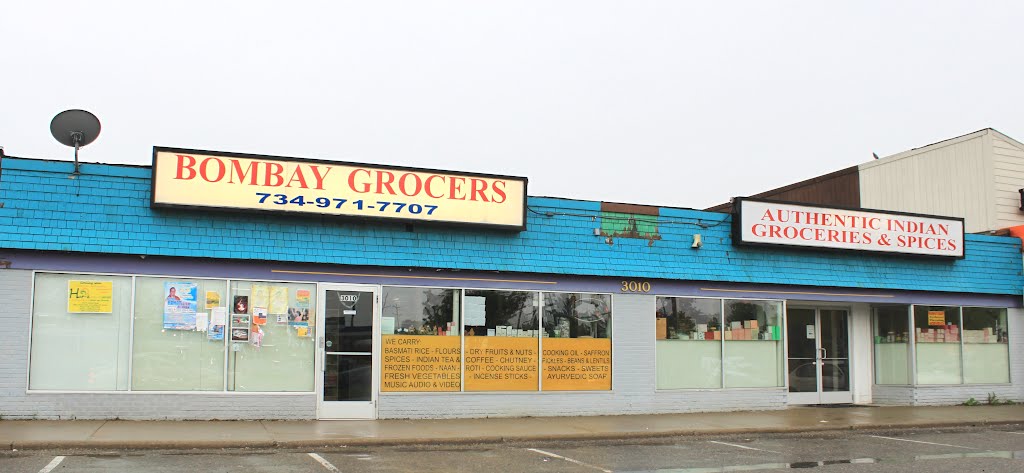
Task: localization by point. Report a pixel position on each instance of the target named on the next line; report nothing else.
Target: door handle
(323, 354)
(824, 353)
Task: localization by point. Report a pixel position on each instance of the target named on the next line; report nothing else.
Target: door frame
(348, 410)
(820, 396)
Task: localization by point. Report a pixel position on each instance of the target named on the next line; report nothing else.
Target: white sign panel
(475, 311)
(773, 223)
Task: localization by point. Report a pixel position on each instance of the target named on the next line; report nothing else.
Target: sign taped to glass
(90, 297)
(209, 179)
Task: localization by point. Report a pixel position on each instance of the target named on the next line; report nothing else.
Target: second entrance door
(819, 356)
(347, 341)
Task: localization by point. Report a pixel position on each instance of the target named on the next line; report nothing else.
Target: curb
(386, 442)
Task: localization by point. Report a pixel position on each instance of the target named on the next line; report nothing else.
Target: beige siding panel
(1008, 166)
(940, 181)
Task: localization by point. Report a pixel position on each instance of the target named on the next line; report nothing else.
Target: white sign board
(475, 311)
(774, 223)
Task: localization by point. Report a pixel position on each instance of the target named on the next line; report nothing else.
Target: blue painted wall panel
(106, 210)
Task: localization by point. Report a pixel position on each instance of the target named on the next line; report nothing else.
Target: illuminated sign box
(771, 223)
(184, 178)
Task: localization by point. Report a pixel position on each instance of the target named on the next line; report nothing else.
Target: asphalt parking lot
(933, 450)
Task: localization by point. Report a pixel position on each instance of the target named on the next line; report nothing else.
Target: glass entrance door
(347, 349)
(819, 356)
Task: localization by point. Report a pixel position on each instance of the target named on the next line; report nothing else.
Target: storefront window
(179, 334)
(577, 346)
(752, 335)
(892, 342)
(80, 340)
(501, 340)
(271, 333)
(937, 338)
(689, 343)
(985, 345)
(420, 337)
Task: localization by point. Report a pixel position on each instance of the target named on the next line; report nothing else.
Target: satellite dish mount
(75, 128)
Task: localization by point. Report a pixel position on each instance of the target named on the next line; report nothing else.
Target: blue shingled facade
(106, 210)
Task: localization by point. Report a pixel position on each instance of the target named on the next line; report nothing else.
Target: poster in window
(212, 299)
(302, 298)
(180, 305)
(215, 332)
(260, 295)
(239, 334)
(278, 299)
(90, 297)
(259, 316)
(298, 317)
(240, 305)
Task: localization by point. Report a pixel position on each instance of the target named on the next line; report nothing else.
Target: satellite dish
(75, 128)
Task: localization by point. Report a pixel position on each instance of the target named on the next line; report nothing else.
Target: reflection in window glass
(420, 337)
(986, 346)
(420, 311)
(577, 315)
(937, 341)
(271, 336)
(755, 358)
(80, 341)
(502, 331)
(689, 343)
(892, 344)
(169, 351)
(501, 313)
(577, 345)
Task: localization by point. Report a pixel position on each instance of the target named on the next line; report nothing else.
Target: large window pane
(420, 336)
(688, 343)
(173, 349)
(502, 333)
(892, 344)
(80, 340)
(577, 342)
(937, 338)
(986, 346)
(271, 331)
(753, 351)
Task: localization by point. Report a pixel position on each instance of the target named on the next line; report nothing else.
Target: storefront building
(226, 286)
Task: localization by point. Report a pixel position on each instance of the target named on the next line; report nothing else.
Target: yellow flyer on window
(278, 300)
(577, 364)
(90, 297)
(501, 363)
(260, 295)
(936, 318)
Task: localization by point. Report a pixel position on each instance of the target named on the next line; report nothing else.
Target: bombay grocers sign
(184, 178)
(773, 223)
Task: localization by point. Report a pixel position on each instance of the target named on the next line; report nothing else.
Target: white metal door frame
(821, 396)
(346, 409)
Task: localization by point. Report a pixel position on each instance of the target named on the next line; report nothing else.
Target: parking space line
(921, 441)
(53, 464)
(744, 447)
(1015, 433)
(570, 460)
(324, 462)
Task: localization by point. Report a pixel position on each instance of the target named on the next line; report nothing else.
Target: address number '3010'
(636, 286)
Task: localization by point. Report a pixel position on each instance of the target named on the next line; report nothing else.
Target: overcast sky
(673, 103)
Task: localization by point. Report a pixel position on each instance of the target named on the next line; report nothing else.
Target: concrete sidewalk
(38, 434)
